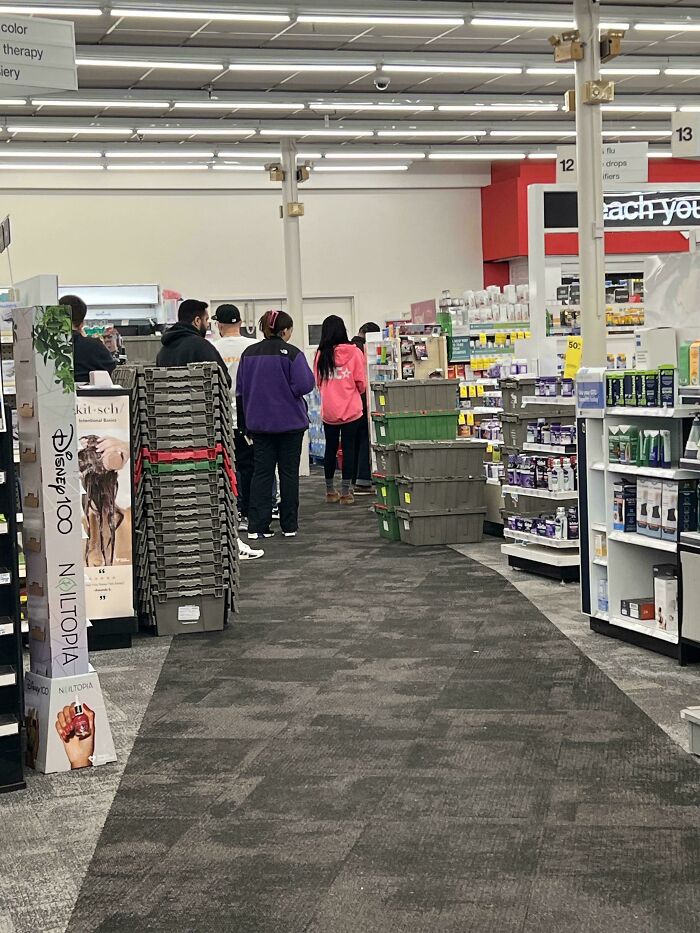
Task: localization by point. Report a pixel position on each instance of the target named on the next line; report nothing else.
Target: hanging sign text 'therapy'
(36, 55)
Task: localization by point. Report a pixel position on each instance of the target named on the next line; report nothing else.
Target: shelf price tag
(479, 391)
(685, 135)
(470, 417)
(464, 391)
(572, 358)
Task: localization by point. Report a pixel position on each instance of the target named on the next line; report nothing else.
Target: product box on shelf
(625, 506)
(666, 597)
(655, 346)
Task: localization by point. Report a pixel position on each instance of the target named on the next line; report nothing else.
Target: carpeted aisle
(392, 740)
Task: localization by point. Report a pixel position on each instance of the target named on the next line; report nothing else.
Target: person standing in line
(339, 368)
(362, 470)
(186, 342)
(89, 353)
(273, 378)
(231, 346)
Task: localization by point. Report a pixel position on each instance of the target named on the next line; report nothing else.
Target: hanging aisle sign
(639, 210)
(36, 55)
(685, 135)
(622, 163)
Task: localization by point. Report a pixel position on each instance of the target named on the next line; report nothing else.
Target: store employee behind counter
(89, 354)
(186, 342)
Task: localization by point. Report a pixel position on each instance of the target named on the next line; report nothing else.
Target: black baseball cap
(227, 314)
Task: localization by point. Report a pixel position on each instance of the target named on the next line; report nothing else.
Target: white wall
(385, 247)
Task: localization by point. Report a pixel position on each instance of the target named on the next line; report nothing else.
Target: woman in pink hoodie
(339, 368)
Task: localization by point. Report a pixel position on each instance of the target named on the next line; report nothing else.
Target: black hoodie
(184, 344)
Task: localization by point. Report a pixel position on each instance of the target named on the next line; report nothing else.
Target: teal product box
(629, 394)
(667, 386)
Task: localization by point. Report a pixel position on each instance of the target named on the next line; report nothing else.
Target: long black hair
(333, 332)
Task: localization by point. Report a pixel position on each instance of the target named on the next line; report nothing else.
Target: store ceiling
(242, 74)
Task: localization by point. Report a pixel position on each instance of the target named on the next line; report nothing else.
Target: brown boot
(332, 497)
(346, 500)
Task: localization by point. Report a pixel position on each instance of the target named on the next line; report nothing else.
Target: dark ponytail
(333, 333)
(272, 323)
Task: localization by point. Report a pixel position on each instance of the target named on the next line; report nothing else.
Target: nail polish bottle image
(81, 724)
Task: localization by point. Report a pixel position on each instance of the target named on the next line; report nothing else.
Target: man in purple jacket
(273, 378)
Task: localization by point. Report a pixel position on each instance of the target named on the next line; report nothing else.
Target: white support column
(292, 241)
(589, 142)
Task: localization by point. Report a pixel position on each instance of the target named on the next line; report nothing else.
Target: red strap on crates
(186, 453)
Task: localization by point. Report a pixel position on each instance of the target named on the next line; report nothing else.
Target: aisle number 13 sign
(685, 135)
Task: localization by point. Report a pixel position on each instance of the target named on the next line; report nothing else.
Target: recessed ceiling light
(143, 64)
(361, 168)
(234, 105)
(388, 108)
(372, 20)
(452, 69)
(158, 168)
(638, 108)
(136, 152)
(184, 131)
(79, 102)
(537, 23)
(31, 9)
(51, 167)
(203, 15)
(71, 130)
(379, 154)
(485, 156)
(447, 134)
(533, 134)
(496, 108)
(341, 133)
(291, 67)
(667, 27)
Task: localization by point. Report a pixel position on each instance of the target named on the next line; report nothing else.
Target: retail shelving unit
(627, 572)
(11, 699)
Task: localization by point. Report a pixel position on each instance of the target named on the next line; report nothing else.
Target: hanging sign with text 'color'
(685, 135)
(622, 163)
(36, 55)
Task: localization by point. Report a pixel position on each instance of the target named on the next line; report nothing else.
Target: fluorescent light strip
(273, 155)
(690, 108)
(340, 133)
(659, 154)
(389, 108)
(203, 15)
(135, 152)
(233, 105)
(291, 67)
(29, 9)
(559, 72)
(533, 134)
(541, 155)
(361, 168)
(682, 72)
(10, 152)
(372, 20)
(48, 167)
(624, 134)
(537, 23)
(497, 108)
(13, 102)
(446, 134)
(238, 168)
(192, 131)
(124, 104)
(71, 130)
(452, 69)
(641, 108)
(667, 27)
(387, 154)
(553, 70)
(158, 168)
(485, 156)
(140, 63)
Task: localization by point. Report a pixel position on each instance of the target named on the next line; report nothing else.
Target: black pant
(335, 435)
(243, 450)
(270, 451)
(362, 472)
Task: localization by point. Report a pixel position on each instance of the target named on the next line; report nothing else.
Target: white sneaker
(254, 535)
(246, 552)
(289, 534)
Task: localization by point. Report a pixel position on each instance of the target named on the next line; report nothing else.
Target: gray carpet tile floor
(390, 740)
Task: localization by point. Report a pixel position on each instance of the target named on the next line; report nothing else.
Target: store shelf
(559, 400)
(7, 627)
(8, 676)
(483, 410)
(526, 538)
(645, 628)
(599, 526)
(691, 537)
(541, 555)
(8, 726)
(598, 466)
(603, 616)
(556, 450)
(656, 472)
(493, 482)
(481, 327)
(631, 537)
(600, 561)
(621, 411)
(692, 466)
(540, 493)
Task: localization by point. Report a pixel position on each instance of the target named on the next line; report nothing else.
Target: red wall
(504, 215)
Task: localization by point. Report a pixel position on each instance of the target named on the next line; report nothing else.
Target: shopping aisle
(392, 740)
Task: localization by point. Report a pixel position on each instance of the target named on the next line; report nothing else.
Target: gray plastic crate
(464, 526)
(188, 614)
(440, 494)
(387, 459)
(401, 395)
(457, 459)
(515, 426)
(691, 715)
(515, 390)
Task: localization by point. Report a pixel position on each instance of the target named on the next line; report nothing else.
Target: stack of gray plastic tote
(440, 482)
(184, 502)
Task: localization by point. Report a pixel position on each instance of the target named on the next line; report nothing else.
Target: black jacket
(183, 344)
(90, 355)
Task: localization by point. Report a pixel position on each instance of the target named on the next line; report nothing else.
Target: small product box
(625, 506)
(666, 598)
(649, 507)
(642, 505)
(667, 386)
(642, 609)
(651, 389)
(640, 389)
(613, 389)
(629, 394)
(655, 347)
(669, 511)
(687, 506)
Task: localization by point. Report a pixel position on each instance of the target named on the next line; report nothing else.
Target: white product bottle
(556, 477)
(560, 523)
(568, 473)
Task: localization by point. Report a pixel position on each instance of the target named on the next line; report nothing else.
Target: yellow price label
(489, 448)
(496, 455)
(464, 391)
(470, 418)
(384, 492)
(407, 498)
(479, 390)
(572, 357)
(482, 340)
(382, 400)
(461, 420)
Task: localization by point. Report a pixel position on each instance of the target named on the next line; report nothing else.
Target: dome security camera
(381, 82)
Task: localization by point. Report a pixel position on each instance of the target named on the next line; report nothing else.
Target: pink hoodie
(341, 395)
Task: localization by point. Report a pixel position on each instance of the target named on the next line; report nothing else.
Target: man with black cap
(231, 346)
(186, 342)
